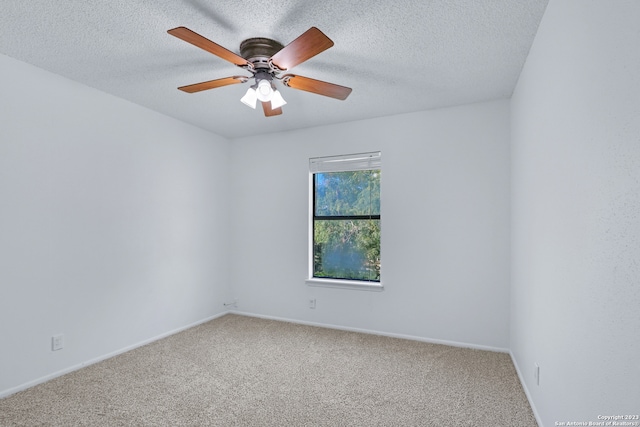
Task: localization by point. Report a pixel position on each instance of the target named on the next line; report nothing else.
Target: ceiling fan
(266, 59)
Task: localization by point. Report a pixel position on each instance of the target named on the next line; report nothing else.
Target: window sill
(345, 284)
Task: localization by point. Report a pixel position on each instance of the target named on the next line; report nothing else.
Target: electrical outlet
(233, 304)
(57, 342)
(312, 303)
(536, 373)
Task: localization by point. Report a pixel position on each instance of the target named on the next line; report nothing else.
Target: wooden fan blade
(309, 44)
(317, 86)
(212, 84)
(206, 44)
(268, 111)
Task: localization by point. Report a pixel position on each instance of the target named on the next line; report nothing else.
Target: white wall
(113, 224)
(445, 225)
(576, 212)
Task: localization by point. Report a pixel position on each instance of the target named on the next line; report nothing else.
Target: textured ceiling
(398, 56)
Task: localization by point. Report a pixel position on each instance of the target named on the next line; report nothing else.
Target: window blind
(346, 162)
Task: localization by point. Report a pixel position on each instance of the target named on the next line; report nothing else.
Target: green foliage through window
(346, 225)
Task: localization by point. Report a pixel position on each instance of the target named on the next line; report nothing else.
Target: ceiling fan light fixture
(277, 100)
(250, 98)
(264, 91)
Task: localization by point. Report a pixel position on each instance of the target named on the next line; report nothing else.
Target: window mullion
(344, 217)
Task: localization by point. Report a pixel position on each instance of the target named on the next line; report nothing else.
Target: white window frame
(342, 163)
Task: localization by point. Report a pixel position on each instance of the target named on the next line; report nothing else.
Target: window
(345, 221)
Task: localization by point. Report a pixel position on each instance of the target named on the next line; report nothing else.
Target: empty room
(293, 213)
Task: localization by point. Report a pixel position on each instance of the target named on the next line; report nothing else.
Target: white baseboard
(373, 332)
(29, 384)
(526, 390)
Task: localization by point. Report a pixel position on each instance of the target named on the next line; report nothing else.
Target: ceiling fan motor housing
(258, 50)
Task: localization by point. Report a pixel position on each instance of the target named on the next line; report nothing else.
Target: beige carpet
(243, 371)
